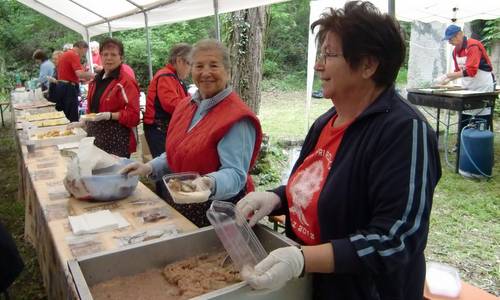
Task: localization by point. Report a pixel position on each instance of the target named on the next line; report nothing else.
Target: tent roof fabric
(443, 11)
(94, 15)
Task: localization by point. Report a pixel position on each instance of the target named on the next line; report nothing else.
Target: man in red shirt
(69, 72)
(473, 66)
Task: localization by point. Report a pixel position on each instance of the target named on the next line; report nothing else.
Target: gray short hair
(212, 44)
(181, 50)
(94, 45)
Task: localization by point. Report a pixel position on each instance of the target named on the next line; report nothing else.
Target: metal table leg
(458, 141)
(437, 123)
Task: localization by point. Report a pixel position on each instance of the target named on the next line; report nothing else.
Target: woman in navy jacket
(360, 195)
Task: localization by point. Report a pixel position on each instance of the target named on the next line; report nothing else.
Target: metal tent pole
(217, 21)
(392, 8)
(150, 64)
(89, 51)
(148, 42)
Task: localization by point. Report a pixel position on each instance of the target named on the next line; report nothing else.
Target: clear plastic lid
(183, 191)
(443, 280)
(236, 236)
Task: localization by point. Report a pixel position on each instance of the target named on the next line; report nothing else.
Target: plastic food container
(235, 234)
(443, 280)
(183, 197)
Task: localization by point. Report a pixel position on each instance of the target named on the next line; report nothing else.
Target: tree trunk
(495, 59)
(246, 42)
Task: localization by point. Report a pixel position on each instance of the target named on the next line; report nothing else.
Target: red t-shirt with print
(306, 183)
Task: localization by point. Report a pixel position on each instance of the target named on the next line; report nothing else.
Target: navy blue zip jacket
(375, 205)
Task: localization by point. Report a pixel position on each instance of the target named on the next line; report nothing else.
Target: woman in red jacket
(114, 97)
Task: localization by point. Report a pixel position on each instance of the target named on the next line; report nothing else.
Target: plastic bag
(88, 158)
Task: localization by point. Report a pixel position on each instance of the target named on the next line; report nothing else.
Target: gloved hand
(276, 269)
(51, 79)
(442, 79)
(103, 116)
(204, 183)
(257, 205)
(75, 125)
(203, 189)
(137, 168)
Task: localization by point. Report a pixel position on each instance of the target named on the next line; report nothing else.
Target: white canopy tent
(459, 11)
(94, 17)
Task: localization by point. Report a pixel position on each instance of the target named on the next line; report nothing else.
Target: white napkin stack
(99, 221)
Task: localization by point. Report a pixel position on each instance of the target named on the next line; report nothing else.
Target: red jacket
(121, 95)
(197, 150)
(477, 57)
(170, 92)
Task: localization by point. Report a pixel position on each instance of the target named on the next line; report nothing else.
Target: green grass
(29, 285)
(283, 115)
(464, 230)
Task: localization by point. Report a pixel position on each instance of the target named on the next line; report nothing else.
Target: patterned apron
(110, 136)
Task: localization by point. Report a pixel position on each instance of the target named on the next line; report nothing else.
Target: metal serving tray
(90, 270)
(77, 136)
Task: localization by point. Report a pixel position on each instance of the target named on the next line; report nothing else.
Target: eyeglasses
(321, 57)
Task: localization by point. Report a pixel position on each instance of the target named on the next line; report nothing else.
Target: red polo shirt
(68, 64)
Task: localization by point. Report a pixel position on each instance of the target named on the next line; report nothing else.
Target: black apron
(197, 212)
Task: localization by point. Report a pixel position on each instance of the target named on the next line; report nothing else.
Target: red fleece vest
(197, 150)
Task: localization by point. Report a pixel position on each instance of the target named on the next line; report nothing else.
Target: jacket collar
(383, 103)
(171, 68)
(464, 44)
(115, 74)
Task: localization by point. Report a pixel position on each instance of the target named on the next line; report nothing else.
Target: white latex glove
(103, 116)
(137, 168)
(276, 269)
(204, 183)
(257, 205)
(75, 125)
(442, 79)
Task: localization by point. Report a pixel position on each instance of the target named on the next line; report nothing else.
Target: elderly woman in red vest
(114, 99)
(213, 133)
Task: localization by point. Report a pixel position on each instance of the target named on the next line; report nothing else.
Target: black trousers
(156, 136)
(66, 99)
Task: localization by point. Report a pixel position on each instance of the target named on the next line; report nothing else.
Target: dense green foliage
(24, 31)
(491, 32)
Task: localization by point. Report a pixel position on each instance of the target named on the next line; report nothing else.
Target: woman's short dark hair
(181, 50)
(40, 55)
(111, 42)
(365, 32)
(81, 45)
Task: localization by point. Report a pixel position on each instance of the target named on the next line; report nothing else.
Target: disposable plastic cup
(235, 234)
